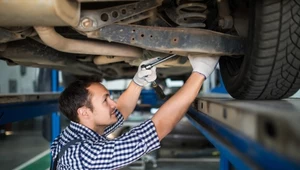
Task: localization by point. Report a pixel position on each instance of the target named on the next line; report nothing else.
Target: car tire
(270, 68)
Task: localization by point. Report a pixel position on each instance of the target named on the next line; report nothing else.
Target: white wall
(116, 84)
(24, 83)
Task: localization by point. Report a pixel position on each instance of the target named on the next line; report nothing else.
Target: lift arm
(251, 134)
(19, 107)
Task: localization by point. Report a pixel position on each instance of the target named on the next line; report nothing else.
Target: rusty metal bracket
(6, 36)
(172, 40)
(92, 20)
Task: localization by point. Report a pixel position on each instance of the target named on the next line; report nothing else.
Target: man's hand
(143, 76)
(204, 65)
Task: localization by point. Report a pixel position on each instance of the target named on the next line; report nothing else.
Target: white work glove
(143, 76)
(204, 65)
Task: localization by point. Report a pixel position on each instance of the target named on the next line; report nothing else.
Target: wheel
(270, 68)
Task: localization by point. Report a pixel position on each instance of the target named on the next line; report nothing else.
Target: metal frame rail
(250, 134)
(20, 107)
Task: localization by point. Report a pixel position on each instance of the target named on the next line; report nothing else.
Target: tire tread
(275, 64)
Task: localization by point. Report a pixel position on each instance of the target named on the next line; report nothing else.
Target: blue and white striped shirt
(97, 152)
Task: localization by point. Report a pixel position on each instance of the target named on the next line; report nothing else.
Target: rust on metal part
(177, 40)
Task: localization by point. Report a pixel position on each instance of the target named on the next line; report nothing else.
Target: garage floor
(25, 143)
(27, 149)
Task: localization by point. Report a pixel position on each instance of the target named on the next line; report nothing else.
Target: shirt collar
(84, 131)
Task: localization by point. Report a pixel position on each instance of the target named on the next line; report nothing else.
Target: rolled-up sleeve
(123, 150)
(120, 120)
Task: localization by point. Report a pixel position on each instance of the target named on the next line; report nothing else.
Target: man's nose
(112, 103)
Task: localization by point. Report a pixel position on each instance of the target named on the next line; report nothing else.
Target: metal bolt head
(87, 23)
(221, 23)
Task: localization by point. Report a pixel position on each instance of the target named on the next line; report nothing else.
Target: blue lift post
(55, 121)
(257, 145)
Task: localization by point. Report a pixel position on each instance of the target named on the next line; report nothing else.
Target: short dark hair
(75, 96)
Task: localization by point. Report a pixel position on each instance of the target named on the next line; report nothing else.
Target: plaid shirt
(97, 152)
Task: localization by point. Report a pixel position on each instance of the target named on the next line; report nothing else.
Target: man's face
(104, 107)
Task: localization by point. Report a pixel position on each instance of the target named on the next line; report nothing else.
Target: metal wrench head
(160, 60)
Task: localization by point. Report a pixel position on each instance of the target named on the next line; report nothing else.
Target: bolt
(86, 23)
(222, 23)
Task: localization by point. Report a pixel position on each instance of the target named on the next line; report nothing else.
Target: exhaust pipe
(51, 38)
(39, 12)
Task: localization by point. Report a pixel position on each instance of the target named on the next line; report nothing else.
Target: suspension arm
(91, 20)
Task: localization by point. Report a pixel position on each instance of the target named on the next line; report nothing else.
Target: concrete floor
(20, 147)
(185, 165)
(27, 142)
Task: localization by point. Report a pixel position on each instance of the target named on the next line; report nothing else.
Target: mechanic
(94, 115)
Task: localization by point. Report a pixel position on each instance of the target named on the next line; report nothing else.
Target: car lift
(248, 134)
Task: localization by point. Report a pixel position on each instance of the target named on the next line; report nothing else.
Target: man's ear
(83, 112)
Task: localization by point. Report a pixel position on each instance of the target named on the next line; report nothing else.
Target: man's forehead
(97, 88)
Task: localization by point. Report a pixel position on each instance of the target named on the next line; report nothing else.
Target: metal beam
(172, 40)
(15, 107)
(36, 97)
(270, 123)
(13, 112)
(241, 150)
(227, 150)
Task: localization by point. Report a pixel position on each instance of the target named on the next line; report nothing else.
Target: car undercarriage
(258, 41)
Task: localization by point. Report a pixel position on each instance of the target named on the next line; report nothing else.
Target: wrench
(155, 86)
